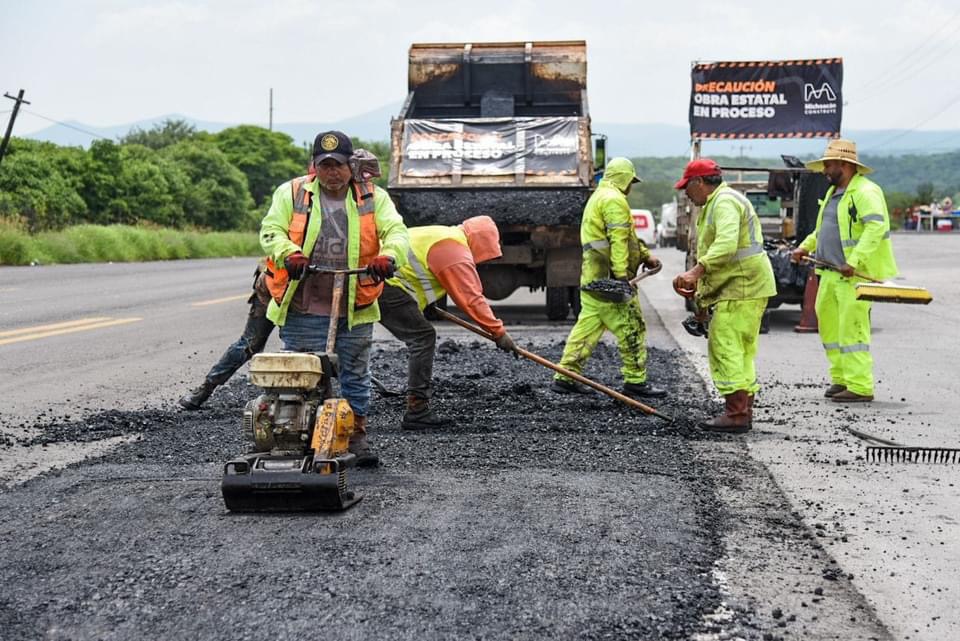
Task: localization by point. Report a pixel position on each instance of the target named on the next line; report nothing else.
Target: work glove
(295, 264)
(505, 342)
(381, 268)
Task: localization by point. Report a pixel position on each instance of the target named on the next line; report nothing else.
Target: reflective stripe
(829, 346)
(746, 252)
(719, 383)
(850, 242)
(429, 292)
(859, 347)
(871, 217)
(886, 236)
(754, 247)
(596, 244)
(619, 226)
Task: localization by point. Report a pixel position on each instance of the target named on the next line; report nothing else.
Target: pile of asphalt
(527, 206)
(532, 515)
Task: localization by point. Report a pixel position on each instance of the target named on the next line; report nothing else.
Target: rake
(893, 452)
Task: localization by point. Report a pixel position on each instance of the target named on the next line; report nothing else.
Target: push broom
(879, 291)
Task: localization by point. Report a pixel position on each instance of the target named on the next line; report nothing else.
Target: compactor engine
(299, 437)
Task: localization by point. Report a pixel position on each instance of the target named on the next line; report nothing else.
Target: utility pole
(271, 109)
(13, 116)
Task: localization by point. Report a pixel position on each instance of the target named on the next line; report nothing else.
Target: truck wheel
(558, 303)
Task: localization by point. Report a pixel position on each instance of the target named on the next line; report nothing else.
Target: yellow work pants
(624, 320)
(732, 344)
(844, 325)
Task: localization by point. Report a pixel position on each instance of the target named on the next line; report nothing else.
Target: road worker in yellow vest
(733, 279)
(442, 260)
(610, 250)
(330, 220)
(853, 233)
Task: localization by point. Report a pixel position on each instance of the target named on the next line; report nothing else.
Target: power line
(68, 126)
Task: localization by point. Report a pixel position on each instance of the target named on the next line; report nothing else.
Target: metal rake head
(904, 454)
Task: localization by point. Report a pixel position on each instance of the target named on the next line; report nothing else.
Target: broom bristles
(883, 293)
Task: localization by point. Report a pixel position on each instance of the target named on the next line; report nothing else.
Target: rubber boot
(360, 446)
(736, 417)
(197, 397)
(419, 415)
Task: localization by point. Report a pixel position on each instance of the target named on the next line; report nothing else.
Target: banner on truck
(490, 147)
(773, 99)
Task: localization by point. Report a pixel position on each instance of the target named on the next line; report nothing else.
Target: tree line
(906, 180)
(169, 176)
(174, 176)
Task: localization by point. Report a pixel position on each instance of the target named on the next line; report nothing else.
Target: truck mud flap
(263, 483)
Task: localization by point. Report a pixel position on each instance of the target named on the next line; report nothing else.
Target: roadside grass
(119, 243)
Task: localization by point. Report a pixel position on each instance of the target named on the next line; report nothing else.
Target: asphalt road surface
(533, 516)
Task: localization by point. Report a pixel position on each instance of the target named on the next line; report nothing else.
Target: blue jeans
(255, 335)
(308, 333)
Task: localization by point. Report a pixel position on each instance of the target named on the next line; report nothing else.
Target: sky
(109, 62)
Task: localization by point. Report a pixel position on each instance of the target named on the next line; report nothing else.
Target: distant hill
(624, 139)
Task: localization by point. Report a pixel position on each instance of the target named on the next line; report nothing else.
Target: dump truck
(503, 130)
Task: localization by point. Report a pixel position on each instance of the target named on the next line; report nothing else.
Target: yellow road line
(8, 289)
(44, 328)
(217, 301)
(69, 330)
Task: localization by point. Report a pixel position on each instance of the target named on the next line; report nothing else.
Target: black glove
(295, 264)
(381, 268)
(506, 343)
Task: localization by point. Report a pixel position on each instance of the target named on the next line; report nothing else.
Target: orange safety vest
(367, 292)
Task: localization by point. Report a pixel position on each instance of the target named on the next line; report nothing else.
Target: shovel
(618, 291)
(623, 398)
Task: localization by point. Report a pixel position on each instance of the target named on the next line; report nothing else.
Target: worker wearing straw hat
(853, 233)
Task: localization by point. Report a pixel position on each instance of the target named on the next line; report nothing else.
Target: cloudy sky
(109, 62)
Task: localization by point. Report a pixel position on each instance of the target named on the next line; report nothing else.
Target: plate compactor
(300, 436)
(300, 433)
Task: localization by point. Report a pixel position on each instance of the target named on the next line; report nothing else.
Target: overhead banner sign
(774, 99)
(490, 147)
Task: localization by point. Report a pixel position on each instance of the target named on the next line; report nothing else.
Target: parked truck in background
(501, 129)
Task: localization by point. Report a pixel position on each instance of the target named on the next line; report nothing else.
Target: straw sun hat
(839, 149)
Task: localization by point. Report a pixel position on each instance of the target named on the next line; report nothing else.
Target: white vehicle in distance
(667, 228)
(644, 226)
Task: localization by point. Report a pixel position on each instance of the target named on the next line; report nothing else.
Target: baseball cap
(696, 169)
(332, 144)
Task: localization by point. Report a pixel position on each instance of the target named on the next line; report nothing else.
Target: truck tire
(558, 303)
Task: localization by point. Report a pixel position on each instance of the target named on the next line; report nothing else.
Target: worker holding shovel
(734, 278)
(610, 248)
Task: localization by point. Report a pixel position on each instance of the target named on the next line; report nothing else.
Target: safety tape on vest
(619, 226)
(831, 346)
(596, 244)
(852, 242)
(754, 247)
(426, 284)
(872, 217)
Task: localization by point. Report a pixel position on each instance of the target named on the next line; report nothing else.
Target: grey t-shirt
(829, 247)
(330, 252)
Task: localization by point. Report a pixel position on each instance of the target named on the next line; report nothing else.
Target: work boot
(419, 415)
(645, 389)
(563, 386)
(197, 397)
(750, 398)
(736, 417)
(834, 389)
(360, 446)
(846, 396)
